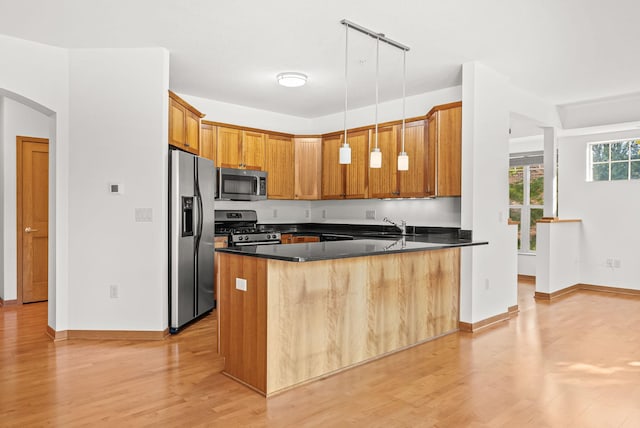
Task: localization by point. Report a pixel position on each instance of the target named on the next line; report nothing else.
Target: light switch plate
(241, 284)
(370, 214)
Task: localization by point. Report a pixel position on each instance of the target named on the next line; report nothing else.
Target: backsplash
(440, 212)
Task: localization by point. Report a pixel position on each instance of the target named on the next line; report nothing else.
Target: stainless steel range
(241, 227)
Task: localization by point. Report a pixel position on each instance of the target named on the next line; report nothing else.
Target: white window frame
(591, 163)
(525, 210)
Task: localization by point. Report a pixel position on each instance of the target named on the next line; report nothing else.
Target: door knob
(29, 230)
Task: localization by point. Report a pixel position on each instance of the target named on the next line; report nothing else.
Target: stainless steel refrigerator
(191, 233)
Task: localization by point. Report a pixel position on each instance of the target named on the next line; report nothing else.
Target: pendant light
(345, 150)
(403, 157)
(375, 158)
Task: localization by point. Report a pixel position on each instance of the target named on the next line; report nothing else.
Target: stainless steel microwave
(241, 184)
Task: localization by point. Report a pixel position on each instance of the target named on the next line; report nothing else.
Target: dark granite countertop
(313, 251)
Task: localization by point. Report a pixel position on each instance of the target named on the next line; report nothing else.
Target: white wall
(488, 277)
(38, 75)
(609, 213)
(558, 256)
(527, 264)
(417, 105)
(118, 125)
(18, 120)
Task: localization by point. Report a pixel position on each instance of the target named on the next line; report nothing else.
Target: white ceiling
(563, 51)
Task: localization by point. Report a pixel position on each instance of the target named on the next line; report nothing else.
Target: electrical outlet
(370, 214)
(241, 284)
(609, 262)
(275, 213)
(144, 215)
(113, 291)
(307, 213)
(486, 284)
(616, 263)
(324, 213)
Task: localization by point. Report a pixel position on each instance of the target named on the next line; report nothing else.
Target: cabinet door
(177, 134)
(208, 141)
(332, 170)
(431, 165)
(383, 181)
(279, 164)
(229, 144)
(308, 164)
(253, 150)
(356, 173)
(286, 238)
(449, 137)
(413, 183)
(192, 128)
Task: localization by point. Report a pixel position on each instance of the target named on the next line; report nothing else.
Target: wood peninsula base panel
(324, 316)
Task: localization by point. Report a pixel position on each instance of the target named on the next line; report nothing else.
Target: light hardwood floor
(571, 363)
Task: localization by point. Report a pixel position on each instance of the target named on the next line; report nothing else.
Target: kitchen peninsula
(292, 313)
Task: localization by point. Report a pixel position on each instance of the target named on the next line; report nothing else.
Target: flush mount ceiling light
(291, 79)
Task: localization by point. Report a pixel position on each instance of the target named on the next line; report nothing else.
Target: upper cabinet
(345, 181)
(387, 181)
(308, 167)
(279, 164)
(184, 124)
(444, 153)
(237, 148)
(208, 140)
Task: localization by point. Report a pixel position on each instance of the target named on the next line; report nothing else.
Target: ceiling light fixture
(345, 150)
(291, 79)
(403, 157)
(375, 159)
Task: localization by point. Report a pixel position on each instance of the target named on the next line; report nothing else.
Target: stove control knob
(246, 238)
(269, 236)
(239, 238)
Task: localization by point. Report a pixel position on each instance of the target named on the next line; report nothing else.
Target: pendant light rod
(404, 89)
(373, 34)
(377, 84)
(346, 80)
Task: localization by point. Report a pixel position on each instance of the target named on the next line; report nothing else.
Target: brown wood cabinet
(289, 238)
(308, 168)
(208, 141)
(237, 148)
(444, 156)
(388, 182)
(218, 242)
(184, 124)
(345, 181)
(279, 162)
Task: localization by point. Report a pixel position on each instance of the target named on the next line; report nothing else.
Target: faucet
(402, 226)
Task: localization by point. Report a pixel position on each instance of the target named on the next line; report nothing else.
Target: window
(614, 160)
(526, 200)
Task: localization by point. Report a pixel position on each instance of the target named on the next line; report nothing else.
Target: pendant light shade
(403, 161)
(345, 154)
(375, 158)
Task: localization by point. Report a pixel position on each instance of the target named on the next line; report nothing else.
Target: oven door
(241, 185)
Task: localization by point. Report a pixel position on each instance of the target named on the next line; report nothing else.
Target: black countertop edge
(317, 251)
(358, 229)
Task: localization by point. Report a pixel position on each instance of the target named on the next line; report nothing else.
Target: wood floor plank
(572, 362)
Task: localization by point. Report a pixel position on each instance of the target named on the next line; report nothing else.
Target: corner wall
(609, 213)
(119, 124)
